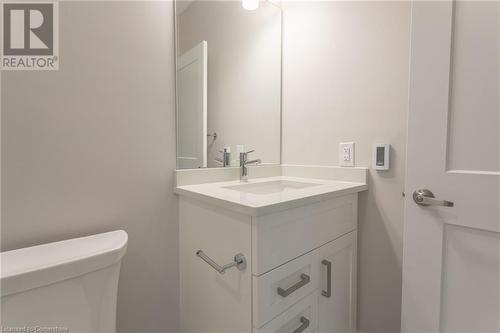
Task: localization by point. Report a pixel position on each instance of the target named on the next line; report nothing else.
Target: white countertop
(261, 204)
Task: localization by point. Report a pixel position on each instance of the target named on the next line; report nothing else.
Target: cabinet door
(337, 299)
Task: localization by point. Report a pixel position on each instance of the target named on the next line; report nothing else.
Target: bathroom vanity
(274, 254)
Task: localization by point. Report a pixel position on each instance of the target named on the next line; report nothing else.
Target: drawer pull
(328, 291)
(304, 279)
(239, 262)
(305, 324)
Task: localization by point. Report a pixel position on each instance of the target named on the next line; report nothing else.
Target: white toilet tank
(67, 286)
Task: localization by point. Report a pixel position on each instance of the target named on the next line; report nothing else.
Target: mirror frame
(174, 4)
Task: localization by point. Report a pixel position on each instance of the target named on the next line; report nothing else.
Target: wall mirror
(228, 82)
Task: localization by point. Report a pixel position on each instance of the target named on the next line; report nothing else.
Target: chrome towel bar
(304, 279)
(239, 262)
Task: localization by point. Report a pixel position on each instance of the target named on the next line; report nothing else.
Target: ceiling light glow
(250, 4)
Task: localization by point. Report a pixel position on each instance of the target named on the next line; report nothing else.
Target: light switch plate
(346, 154)
(381, 156)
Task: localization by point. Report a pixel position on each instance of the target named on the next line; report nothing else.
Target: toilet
(66, 286)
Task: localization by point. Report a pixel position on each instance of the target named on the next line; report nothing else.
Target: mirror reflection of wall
(228, 82)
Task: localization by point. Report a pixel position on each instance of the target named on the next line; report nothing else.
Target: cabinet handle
(239, 262)
(304, 279)
(328, 291)
(305, 324)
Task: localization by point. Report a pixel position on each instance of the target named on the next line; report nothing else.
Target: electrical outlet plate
(346, 154)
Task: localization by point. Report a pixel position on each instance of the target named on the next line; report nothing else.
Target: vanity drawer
(279, 289)
(281, 237)
(302, 317)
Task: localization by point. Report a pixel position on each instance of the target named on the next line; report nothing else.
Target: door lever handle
(426, 198)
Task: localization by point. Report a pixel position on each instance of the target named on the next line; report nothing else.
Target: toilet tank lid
(39, 265)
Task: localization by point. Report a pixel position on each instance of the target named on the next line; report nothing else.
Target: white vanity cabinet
(300, 273)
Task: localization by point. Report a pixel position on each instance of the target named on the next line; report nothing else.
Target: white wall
(244, 74)
(91, 148)
(346, 79)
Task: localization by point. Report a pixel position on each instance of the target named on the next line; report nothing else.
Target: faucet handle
(244, 155)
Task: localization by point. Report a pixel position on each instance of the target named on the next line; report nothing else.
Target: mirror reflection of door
(192, 108)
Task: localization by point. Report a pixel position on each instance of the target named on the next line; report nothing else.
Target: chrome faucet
(226, 158)
(243, 165)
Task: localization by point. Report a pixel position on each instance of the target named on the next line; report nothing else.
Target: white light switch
(346, 154)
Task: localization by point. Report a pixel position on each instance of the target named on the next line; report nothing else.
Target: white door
(337, 300)
(192, 108)
(451, 265)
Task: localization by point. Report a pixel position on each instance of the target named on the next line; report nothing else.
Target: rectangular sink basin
(276, 186)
